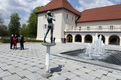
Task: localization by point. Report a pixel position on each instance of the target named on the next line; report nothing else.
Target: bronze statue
(50, 26)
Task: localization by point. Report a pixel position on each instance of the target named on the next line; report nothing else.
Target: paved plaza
(29, 64)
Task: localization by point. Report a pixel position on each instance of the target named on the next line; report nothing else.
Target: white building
(82, 26)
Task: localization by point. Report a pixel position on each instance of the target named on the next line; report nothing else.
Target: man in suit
(21, 42)
(11, 41)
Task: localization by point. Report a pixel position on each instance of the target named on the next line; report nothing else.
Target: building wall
(68, 23)
(94, 26)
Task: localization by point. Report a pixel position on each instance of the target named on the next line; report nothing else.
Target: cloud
(119, 1)
(22, 7)
(40, 3)
(88, 4)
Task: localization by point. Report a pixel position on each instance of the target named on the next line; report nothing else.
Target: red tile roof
(101, 14)
(58, 4)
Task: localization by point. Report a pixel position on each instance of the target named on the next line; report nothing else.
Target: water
(97, 52)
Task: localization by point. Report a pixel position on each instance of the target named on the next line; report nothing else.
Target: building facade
(82, 26)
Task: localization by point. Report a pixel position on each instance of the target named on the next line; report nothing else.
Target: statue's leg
(46, 34)
(51, 34)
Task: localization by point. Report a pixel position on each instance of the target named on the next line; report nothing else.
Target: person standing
(64, 40)
(11, 41)
(14, 42)
(54, 39)
(16, 39)
(21, 42)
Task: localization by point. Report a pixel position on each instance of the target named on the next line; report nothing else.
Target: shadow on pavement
(56, 69)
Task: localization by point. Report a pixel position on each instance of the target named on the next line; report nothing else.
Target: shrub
(5, 40)
(25, 40)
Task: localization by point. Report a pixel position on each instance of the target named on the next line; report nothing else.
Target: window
(72, 27)
(88, 28)
(45, 26)
(111, 27)
(100, 28)
(79, 28)
(72, 18)
(66, 16)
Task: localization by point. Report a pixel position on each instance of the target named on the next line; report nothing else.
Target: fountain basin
(110, 56)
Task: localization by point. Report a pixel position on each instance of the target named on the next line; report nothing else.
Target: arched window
(88, 39)
(78, 38)
(114, 40)
(69, 38)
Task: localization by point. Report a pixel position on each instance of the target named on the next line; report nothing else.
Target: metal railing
(94, 29)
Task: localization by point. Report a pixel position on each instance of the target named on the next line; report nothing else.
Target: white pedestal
(47, 60)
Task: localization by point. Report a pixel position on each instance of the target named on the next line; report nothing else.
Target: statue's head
(49, 13)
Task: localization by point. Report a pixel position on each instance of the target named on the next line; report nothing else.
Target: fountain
(98, 50)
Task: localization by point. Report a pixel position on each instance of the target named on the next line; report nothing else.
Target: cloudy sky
(24, 7)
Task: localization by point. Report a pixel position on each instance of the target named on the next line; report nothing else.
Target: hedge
(25, 40)
(5, 40)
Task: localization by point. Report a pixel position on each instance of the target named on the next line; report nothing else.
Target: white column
(106, 40)
(120, 41)
(47, 62)
(93, 39)
(73, 38)
(65, 37)
(82, 38)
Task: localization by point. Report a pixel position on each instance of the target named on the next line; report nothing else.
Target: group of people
(14, 40)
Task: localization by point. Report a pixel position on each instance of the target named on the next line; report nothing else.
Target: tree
(32, 23)
(1, 20)
(3, 27)
(3, 30)
(23, 30)
(14, 24)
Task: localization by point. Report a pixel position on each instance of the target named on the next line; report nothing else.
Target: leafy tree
(3, 28)
(23, 30)
(14, 24)
(32, 23)
(1, 20)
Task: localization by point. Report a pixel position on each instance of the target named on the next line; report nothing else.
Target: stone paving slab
(5, 74)
(28, 64)
(58, 77)
(12, 77)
